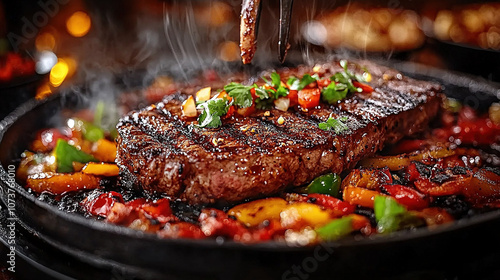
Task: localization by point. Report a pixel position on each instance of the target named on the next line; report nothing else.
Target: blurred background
(49, 45)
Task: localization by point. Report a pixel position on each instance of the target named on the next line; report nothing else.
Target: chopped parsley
(296, 84)
(337, 125)
(212, 110)
(334, 92)
(240, 93)
(341, 85)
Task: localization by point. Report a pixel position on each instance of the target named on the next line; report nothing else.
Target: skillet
(447, 251)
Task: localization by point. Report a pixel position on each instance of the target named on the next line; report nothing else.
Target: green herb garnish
(342, 85)
(296, 84)
(336, 125)
(334, 92)
(240, 93)
(212, 110)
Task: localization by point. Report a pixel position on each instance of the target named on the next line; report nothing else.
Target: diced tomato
(364, 87)
(324, 83)
(230, 112)
(293, 95)
(309, 98)
(409, 197)
(339, 207)
(101, 206)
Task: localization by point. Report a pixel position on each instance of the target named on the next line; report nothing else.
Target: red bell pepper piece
(337, 206)
(412, 172)
(159, 210)
(101, 206)
(449, 188)
(409, 197)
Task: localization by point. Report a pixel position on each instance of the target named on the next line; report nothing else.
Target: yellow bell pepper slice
(255, 212)
(305, 214)
(101, 169)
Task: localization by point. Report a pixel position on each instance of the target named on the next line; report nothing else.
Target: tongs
(249, 27)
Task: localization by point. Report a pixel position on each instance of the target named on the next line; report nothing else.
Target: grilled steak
(162, 152)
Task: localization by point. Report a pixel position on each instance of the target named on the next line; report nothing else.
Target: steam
(180, 39)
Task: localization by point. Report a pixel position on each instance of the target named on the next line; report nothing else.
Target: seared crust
(248, 29)
(160, 151)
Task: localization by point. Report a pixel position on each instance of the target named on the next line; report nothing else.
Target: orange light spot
(78, 24)
(229, 51)
(45, 42)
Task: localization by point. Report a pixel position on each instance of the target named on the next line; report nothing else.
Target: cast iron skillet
(448, 250)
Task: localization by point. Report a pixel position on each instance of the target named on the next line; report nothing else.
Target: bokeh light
(45, 42)
(58, 73)
(78, 24)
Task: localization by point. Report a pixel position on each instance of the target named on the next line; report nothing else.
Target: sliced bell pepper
(392, 216)
(66, 154)
(326, 184)
(360, 196)
(335, 229)
(341, 227)
(101, 169)
(255, 212)
(102, 204)
(104, 150)
(409, 197)
(337, 206)
(57, 183)
(301, 214)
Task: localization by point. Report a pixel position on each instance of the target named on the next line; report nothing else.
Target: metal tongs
(249, 27)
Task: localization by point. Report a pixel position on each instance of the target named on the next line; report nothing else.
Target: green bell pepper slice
(66, 154)
(326, 184)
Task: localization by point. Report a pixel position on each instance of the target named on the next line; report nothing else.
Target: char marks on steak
(247, 157)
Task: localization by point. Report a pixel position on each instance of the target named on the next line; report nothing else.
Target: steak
(164, 153)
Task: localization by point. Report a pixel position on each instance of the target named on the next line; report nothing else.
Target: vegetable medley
(449, 172)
